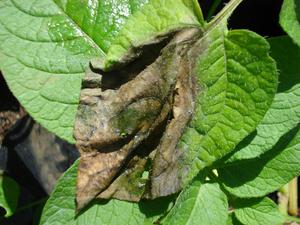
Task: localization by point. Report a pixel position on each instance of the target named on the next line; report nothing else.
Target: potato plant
(178, 119)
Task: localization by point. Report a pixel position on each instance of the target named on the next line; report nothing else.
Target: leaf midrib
(90, 39)
(197, 198)
(224, 104)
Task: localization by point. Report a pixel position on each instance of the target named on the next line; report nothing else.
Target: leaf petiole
(224, 14)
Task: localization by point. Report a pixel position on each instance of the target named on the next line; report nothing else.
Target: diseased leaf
(9, 195)
(60, 207)
(199, 203)
(238, 80)
(125, 118)
(153, 23)
(290, 19)
(171, 167)
(258, 211)
(260, 176)
(284, 113)
(236, 96)
(233, 96)
(8, 118)
(45, 47)
(168, 168)
(130, 184)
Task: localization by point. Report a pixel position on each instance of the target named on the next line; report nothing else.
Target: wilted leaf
(231, 89)
(125, 117)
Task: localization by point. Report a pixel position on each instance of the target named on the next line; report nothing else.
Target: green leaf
(258, 211)
(101, 20)
(9, 195)
(60, 207)
(260, 176)
(45, 47)
(284, 113)
(290, 19)
(238, 80)
(199, 204)
(149, 26)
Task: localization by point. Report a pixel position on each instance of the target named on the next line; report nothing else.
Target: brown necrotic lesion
(129, 123)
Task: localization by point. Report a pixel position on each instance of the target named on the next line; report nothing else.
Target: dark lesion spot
(115, 79)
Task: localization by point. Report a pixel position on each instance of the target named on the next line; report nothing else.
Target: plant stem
(293, 197)
(213, 9)
(224, 14)
(283, 199)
